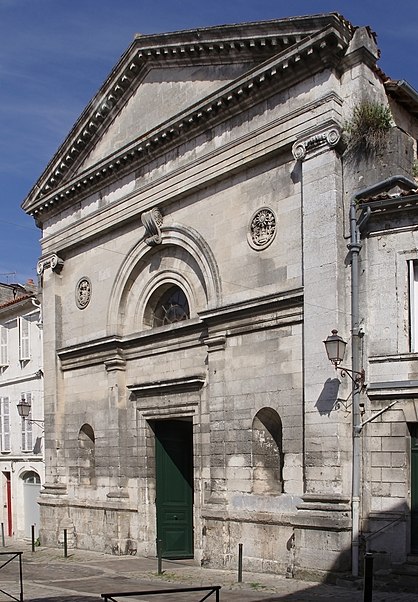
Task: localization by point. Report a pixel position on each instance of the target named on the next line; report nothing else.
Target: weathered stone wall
(388, 243)
(248, 217)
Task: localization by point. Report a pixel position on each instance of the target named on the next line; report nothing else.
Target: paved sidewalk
(84, 575)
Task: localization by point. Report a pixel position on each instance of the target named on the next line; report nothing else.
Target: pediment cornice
(291, 55)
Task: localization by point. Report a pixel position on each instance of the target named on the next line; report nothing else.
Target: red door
(8, 503)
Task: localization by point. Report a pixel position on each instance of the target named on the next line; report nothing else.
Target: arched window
(31, 477)
(86, 455)
(267, 452)
(167, 305)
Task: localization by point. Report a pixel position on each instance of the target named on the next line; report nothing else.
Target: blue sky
(55, 54)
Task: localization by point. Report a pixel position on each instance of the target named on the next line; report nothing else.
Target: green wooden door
(174, 487)
(414, 490)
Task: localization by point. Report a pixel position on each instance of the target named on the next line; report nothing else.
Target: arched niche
(86, 455)
(267, 452)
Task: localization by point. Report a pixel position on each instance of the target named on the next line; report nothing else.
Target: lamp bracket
(39, 423)
(358, 377)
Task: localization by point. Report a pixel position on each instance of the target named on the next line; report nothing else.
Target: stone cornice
(286, 68)
(398, 389)
(113, 352)
(21, 379)
(161, 387)
(272, 137)
(256, 306)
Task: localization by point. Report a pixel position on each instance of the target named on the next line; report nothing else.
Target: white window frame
(24, 339)
(27, 438)
(5, 424)
(4, 348)
(413, 304)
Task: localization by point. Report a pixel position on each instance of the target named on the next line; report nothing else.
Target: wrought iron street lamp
(24, 408)
(335, 348)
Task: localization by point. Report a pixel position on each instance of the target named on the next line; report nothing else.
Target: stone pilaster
(216, 393)
(323, 518)
(326, 306)
(49, 268)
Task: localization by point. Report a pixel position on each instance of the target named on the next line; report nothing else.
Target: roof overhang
(404, 94)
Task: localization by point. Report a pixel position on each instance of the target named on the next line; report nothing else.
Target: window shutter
(4, 360)
(27, 443)
(24, 339)
(5, 424)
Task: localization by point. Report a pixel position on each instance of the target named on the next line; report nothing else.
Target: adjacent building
(21, 380)
(195, 225)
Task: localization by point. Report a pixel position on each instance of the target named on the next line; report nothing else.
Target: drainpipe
(354, 248)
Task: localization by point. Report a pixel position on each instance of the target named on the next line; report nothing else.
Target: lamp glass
(23, 408)
(335, 347)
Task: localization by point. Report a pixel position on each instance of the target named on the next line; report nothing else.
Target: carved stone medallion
(83, 292)
(262, 228)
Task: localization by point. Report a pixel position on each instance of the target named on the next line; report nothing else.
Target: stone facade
(193, 260)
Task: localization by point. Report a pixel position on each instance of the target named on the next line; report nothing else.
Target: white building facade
(194, 257)
(21, 379)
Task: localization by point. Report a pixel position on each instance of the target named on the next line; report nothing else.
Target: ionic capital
(50, 261)
(321, 141)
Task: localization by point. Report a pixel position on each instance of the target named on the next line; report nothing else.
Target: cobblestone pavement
(84, 576)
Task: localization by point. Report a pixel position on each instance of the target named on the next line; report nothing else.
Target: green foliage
(366, 132)
(257, 586)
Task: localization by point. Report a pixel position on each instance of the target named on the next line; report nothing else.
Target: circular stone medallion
(83, 292)
(262, 228)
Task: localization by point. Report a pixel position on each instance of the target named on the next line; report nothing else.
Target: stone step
(401, 578)
(396, 583)
(412, 559)
(408, 568)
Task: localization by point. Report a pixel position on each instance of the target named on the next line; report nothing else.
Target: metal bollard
(32, 528)
(2, 535)
(240, 563)
(65, 544)
(368, 577)
(159, 557)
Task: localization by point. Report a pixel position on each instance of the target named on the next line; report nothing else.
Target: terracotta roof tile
(16, 300)
(389, 196)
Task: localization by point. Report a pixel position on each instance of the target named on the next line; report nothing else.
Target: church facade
(194, 258)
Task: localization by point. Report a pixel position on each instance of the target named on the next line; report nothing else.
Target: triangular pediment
(163, 93)
(163, 79)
